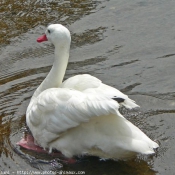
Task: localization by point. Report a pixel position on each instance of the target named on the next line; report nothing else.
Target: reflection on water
(19, 16)
(117, 41)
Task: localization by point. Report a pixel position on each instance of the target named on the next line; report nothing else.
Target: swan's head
(57, 34)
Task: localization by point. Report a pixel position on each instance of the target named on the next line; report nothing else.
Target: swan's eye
(48, 31)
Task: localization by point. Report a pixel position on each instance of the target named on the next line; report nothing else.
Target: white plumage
(80, 116)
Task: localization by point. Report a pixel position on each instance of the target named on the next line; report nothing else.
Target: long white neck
(57, 72)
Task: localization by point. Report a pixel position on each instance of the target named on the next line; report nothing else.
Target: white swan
(80, 116)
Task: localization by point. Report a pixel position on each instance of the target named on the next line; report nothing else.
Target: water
(127, 44)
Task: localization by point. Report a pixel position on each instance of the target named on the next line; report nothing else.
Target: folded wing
(89, 84)
(59, 109)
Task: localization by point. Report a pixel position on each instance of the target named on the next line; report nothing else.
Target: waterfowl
(80, 116)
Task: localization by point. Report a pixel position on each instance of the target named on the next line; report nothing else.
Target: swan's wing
(58, 109)
(81, 82)
(89, 84)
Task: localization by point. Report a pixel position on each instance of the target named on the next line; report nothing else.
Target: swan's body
(80, 116)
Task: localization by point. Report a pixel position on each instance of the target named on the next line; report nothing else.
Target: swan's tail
(139, 141)
(130, 104)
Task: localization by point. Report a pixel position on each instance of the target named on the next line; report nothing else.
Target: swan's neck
(56, 74)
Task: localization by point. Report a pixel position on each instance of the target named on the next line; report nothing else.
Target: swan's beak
(42, 38)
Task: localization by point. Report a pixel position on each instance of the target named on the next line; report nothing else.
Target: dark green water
(127, 44)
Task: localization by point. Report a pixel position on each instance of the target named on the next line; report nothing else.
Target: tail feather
(130, 104)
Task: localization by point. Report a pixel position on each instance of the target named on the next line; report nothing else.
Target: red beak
(42, 38)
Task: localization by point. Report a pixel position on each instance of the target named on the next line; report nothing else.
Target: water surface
(127, 44)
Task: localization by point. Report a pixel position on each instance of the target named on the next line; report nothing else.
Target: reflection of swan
(80, 115)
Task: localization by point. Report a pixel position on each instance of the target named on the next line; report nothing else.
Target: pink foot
(28, 143)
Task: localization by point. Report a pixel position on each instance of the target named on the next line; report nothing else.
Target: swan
(80, 116)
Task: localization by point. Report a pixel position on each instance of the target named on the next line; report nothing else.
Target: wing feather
(59, 109)
(89, 84)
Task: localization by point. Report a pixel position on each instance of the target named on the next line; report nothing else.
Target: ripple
(18, 17)
(97, 26)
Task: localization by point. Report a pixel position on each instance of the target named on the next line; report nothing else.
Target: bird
(80, 116)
